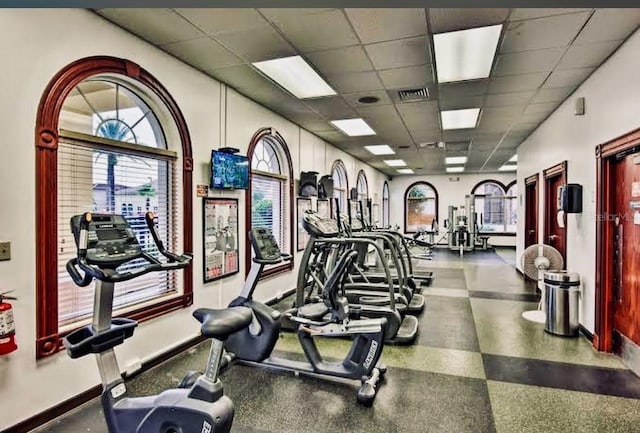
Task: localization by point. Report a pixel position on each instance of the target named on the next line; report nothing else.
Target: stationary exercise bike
(105, 243)
(330, 318)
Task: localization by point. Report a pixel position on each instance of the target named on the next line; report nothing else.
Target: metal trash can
(562, 291)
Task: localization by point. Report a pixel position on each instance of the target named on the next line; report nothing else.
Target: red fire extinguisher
(7, 326)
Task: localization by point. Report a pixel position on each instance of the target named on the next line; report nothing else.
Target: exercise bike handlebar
(113, 276)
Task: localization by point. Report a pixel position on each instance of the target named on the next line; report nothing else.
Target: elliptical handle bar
(149, 217)
(112, 276)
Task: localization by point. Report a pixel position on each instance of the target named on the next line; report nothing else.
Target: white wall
(35, 45)
(449, 194)
(612, 99)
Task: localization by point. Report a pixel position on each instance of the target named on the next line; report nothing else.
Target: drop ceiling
(542, 57)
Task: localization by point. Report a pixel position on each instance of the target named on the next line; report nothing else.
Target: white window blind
(269, 207)
(94, 177)
(385, 205)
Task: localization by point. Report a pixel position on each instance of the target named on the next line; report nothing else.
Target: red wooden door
(626, 233)
(531, 212)
(554, 234)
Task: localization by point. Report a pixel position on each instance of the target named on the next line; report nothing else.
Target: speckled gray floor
(477, 366)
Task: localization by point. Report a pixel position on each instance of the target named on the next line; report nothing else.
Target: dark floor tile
(408, 401)
(449, 278)
(448, 323)
(488, 256)
(596, 380)
(524, 297)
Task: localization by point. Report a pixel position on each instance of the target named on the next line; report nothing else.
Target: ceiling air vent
(413, 94)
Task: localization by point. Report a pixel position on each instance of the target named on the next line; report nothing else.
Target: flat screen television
(229, 170)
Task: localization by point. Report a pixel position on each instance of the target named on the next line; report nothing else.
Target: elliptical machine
(330, 318)
(105, 242)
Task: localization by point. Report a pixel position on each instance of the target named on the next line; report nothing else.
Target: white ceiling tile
(582, 56)
(355, 81)
(567, 77)
(461, 102)
(553, 95)
(332, 107)
(609, 25)
(217, 20)
(504, 99)
(399, 53)
(340, 60)
(158, 26)
(452, 19)
(257, 44)
(406, 78)
(316, 31)
(551, 32)
(527, 62)
(530, 13)
(457, 90)
(377, 25)
(517, 83)
(203, 53)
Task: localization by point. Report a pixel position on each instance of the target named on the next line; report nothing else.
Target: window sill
(497, 234)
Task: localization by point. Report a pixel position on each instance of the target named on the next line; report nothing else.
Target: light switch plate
(5, 250)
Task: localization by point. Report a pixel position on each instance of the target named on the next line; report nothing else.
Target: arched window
(511, 207)
(340, 185)
(420, 207)
(495, 206)
(271, 192)
(108, 123)
(362, 187)
(385, 204)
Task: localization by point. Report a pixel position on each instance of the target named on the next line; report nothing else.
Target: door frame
(605, 194)
(531, 215)
(558, 170)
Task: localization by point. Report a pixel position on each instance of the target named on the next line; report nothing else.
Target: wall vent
(414, 94)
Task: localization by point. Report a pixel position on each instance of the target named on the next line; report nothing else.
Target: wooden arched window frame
(362, 186)
(385, 204)
(341, 192)
(504, 200)
(48, 337)
(406, 202)
(273, 136)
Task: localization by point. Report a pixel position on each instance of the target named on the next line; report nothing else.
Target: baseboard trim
(584, 331)
(56, 411)
(280, 298)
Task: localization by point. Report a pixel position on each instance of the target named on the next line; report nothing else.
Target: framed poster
(302, 204)
(324, 208)
(220, 231)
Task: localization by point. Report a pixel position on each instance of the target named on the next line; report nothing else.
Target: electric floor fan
(536, 260)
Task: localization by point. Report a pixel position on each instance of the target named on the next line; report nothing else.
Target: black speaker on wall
(353, 194)
(308, 184)
(325, 187)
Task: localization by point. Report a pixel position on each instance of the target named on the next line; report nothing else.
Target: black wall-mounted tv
(229, 170)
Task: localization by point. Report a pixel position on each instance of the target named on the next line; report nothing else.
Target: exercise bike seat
(315, 311)
(221, 323)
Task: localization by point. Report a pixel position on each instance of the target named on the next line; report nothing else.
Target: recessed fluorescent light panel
(512, 167)
(466, 54)
(405, 171)
(395, 162)
(353, 127)
(295, 75)
(514, 158)
(455, 169)
(381, 149)
(460, 119)
(455, 160)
